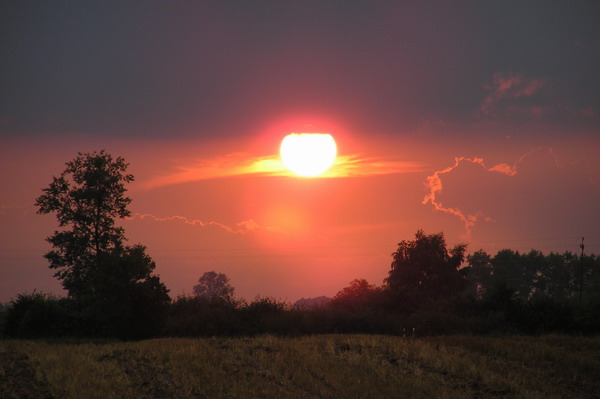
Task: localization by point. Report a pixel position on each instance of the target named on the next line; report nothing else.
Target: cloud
(508, 86)
(238, 164)
(243, 227)
(353, 166)
(234, 164)
(435, 186)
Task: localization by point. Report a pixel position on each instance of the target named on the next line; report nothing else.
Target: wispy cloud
(238, 164)
(243, 227)
(434, 185)
(507, 86)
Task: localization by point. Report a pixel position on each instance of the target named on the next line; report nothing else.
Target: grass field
(327, 366)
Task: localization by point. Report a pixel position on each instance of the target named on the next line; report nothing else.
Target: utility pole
(581, 272)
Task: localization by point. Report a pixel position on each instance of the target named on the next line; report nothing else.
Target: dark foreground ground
(328, 366)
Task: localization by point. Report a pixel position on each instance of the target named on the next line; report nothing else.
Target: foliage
(38, 315)
(479, 273)
(213, 284)
(129, 301)
(508, 267)
(359, 294)
(3, 312)
(510, 293)
(587, 318)
(545, 314)
(203, 316)
(534, 275)
(424, 269)
(425, 293)
(267, 315)
(309, 303)
(213, 315)
(86, 198)
(110, 284)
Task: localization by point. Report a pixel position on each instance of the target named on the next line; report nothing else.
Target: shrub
(38, 315)
(543, 315)
(202, 316)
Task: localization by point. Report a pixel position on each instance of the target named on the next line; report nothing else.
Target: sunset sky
(477, 119)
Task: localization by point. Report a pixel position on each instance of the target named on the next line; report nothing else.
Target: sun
(308, 154)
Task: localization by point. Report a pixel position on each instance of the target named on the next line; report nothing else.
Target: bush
(3, 311)
(586, 318)
(202, 316)
(543, 315)
(38, 315)
(267, 315)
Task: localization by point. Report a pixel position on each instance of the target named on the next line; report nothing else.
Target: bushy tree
(38, 315)
(311, 303)
(358, 294)
(558, 277)
(424, 269)
(509, 267)
(129, 300)
(479, 272)
(267, 315)
(591, 277)
(533, 275)
(213, 284)
(109, 281)
(87, 198)
(203, 316)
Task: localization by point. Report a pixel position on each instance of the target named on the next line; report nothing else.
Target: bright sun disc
(308, 154)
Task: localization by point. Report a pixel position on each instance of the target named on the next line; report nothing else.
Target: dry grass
(329, 366)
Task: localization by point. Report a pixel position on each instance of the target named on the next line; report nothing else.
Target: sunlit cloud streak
(243, 227)
(435, 186)
(238, 164)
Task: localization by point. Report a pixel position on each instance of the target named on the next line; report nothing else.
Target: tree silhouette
(509, 268)
(425, 269)
(480, 272)
(87, 197)
(214, 285)
(358, 294)
(531, 275)
(111, 283)
(557, 279)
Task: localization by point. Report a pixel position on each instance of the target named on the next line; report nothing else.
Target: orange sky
(478, 119)
(279, 235)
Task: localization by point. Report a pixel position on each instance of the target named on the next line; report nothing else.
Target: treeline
(112, 290)
(429, 290)
(534, 275)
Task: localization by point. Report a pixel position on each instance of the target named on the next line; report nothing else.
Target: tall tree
(87, 198)
(479, 273)
(110, 282)
(425, 269)
(214, 285)
(515, 271)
